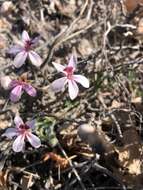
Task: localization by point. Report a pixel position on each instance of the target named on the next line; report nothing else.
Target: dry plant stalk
(60, 161)
(3, 179)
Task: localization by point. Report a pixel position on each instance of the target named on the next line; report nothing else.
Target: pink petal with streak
(18, 121)
(31, 124)
(72, 61)
(13, 83)
(20, 59)
(82, 80)
(58, 84)
(59, 67)
(10, 133)
(73, 89)
(18, 144)
(35, 58)
(15, 49)
(25, 36)
(35, 40)
(30, 90)
(34, 140)
(16, 93)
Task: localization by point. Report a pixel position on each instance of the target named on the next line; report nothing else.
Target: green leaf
(45, 130)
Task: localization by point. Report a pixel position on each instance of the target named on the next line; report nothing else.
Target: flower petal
(82, 80)
(20, 59)
(30, 90)
(15, 49)
(73, 89)
(13, 84)
(72, 61)
(35, 58)
(35, 40)
(34, 140)
(18, 144)
(10, 133)
(18, 121)
(25, 36)
(15, 94)
(31, 124)
(58, 84)
(59, 67)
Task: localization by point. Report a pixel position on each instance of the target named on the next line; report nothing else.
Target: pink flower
(24, 50)
(18, 86)
(69, 78)
(22, 132)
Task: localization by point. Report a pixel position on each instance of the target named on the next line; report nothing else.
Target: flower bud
(5, 82)
(6, 7)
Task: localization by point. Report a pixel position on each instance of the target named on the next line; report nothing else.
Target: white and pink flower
(22, 132)
(18, 87)
(70, 78)
(24, 50)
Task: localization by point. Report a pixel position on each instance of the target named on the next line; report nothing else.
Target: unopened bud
(6, 7)
(5, 82)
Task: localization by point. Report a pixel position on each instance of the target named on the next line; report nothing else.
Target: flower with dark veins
(25, 50)
(22, 132)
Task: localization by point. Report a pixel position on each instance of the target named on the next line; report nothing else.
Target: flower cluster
(22, 51)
